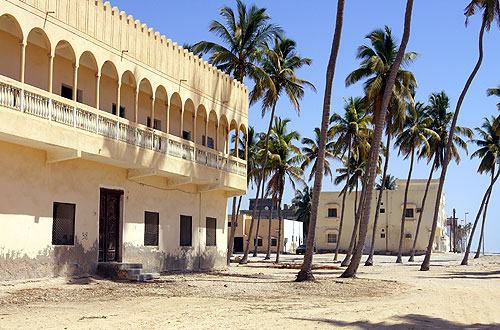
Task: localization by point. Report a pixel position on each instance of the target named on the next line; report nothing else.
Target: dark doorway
(109, 225)
(238, 244)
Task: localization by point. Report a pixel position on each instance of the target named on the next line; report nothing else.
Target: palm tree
(394, 124)
(243, 34)
(310, 150)
(441, 119)
(375, 145)
(305, 273)
(389, 183)
(350, 130)
(279, 66)
(413, 139)
(301, 205)
(494, 91)
(489, 152)
(250, 143)
(284, 159)
(491, 13)
(357, 167)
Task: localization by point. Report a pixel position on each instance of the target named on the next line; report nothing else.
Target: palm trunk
(244, 260)
(230, 245)
(305, 273)
(426, 263)
(377, 139)
(258, 225)
(481, 238)
(268, 252)
(369, 261)
(483, 202)
(343, 199)
(412, 253)
(399, 259)
(354, 235)
(280, 220)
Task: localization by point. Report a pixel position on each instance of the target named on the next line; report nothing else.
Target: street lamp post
(465, 230)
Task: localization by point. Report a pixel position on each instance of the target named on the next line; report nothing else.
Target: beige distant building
(291, 234)
(389, 221)
(114, 143)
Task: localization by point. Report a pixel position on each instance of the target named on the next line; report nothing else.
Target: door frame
(119, 242)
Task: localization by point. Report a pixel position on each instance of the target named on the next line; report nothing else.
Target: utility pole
(454, 226)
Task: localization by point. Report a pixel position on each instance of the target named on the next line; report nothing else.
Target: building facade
(389, 221)
(114, 143)
(292, 234)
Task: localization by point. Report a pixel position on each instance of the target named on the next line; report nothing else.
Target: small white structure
(293, 235)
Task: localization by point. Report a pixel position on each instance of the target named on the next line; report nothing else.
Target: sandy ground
(257, 296)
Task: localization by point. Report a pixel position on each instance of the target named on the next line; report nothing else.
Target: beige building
(291, 234)
(114, 143)
(389, 221)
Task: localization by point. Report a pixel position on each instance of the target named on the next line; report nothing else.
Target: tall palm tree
(489, 152)
(305, 273)
(242, 34)
(279, 66)
(375, 146)
(351, 131)
(441, 120)
(413, 139)
(491, 13)
(356, 167)
(250, 144)
(284, 159)
(301, 205)
(310, 150)
(394, 124)
(494, 91)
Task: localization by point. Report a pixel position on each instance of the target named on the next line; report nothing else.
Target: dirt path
(386, 296)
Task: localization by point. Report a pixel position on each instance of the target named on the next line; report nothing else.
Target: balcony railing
(35, 102)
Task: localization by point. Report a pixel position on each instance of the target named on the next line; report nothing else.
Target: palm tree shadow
(494, 274)
(410, 321)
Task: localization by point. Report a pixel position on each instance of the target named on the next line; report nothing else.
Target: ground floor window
(186, 230)
(332, 238)
(63, 225)
(211, 231)
(409, 213)
(259, 241)
(151, 228)
(274, 241)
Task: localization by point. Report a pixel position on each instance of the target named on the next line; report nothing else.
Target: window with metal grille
(332, 212)
(63, 225)
(211, 231)
(151, 228)
(274, 241)
(259, 242)
(332, 238)
(186, 230)
(409, 213)
(382, 210)
(408, 235)
(210, 142)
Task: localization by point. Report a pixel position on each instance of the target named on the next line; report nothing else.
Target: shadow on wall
(186, 260)
(410, 321)
(51, 261)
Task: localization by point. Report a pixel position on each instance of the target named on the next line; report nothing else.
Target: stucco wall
(388, 222)
(26, 217)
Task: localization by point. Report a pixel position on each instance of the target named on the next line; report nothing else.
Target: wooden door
(109, 225)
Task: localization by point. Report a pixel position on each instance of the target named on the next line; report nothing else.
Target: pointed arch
(87, 78)
(108, 87)
(188, 116)
(128, 85)
(161, 108)
(63, 81)
(145, 103)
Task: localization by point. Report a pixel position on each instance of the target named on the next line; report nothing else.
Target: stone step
(143, 277)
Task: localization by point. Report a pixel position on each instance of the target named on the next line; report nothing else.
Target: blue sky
(448, 52)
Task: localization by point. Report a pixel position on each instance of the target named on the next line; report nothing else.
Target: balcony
(69, 130)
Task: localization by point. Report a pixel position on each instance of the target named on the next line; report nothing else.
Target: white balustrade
(174, 148)
(63, 113)
(36, 105)
(10, 96)
(98, 122)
